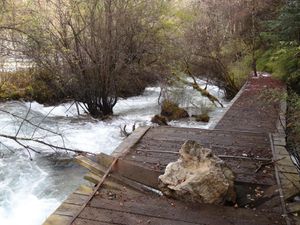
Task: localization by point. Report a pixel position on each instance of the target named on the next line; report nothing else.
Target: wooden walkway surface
(249, 138)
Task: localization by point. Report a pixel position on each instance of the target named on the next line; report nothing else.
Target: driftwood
(124, 131)
(24, 141)
(19, 140)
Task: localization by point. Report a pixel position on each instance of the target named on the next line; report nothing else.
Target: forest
(96, 52)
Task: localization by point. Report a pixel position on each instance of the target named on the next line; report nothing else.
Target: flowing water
(30, 190)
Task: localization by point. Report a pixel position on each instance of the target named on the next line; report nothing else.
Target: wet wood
(130, 141)
(132, 171)
(66, 209)
(57, 220)
(84, 190)
(76, 199)
(93, 178)
(89, 164)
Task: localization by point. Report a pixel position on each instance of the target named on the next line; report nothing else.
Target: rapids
(30, 190)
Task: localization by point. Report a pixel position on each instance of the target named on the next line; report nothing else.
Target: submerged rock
(160, 120)
(172, 111)
(204, 117)
(198, 176)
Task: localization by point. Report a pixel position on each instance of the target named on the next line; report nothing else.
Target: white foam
(30, 191)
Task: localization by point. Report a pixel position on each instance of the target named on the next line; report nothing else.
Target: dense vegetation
(280, 55)
(100, 50)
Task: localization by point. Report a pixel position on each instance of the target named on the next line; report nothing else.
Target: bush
(30, 85)
(293, 121)
(283, 61)
(45, 88)
(14, 85)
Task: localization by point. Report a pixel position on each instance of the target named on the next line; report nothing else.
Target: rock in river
(172, 111)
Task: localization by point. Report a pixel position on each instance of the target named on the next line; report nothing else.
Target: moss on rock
(204, 117)
(172, 111)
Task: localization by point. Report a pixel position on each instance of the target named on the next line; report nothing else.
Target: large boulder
(172, 111)
(198, 176)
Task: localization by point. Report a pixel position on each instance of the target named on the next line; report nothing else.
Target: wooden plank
(84, 190)
(280, 141)
(281, 151)
(93, 178)
(285, 161)
(66, 209)
(107, 216)
(76, 199)
(130, 141)
(248, 176)
(287, 178)
(203, 214)
(89, 164)
(257, 150)
(79, 221)
(57, 220)
(293, 207)
(132, 171)
(287, 169)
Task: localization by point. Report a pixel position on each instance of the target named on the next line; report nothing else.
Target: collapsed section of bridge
(249, 137)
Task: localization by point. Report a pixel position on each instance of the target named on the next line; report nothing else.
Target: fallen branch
(19, 140)
(272, 162)
(124, 132)
(202, 91)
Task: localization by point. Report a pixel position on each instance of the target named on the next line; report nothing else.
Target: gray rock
(198, 176)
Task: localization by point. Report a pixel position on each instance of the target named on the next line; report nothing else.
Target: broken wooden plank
(130, 141)
(93, 178)
(84, 190)
(76, 199)
(132, 171)
(67, 209)
(89, 164)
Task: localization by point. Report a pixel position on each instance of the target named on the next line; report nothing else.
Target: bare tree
(96, 49)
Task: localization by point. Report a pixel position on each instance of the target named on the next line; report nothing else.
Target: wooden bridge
(249, 137)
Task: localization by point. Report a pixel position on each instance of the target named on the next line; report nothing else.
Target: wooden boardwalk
(249, 138)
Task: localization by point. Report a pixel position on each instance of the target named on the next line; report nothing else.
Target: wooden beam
(130, 141)
(89, 164)
(131, 171)
(66, 209)
(57, 220)
(93, 178)
(83, 190)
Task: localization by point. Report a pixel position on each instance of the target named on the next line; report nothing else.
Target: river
(30, 190)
